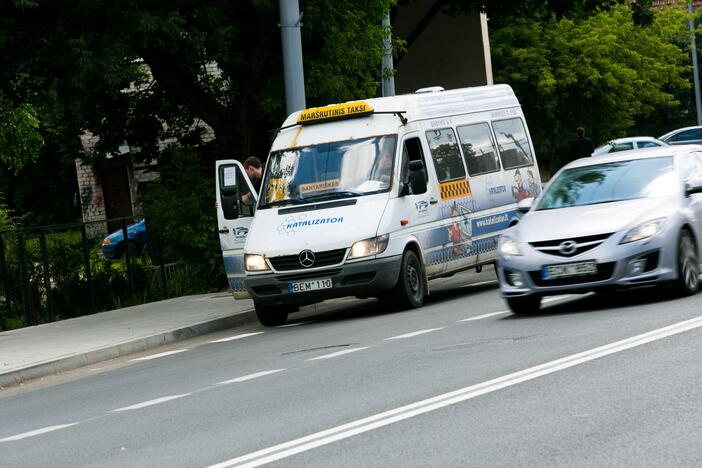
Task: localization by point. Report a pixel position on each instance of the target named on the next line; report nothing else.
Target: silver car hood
(588, 220)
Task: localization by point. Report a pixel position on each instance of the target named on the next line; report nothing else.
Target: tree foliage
(91, 50)
(603, 72)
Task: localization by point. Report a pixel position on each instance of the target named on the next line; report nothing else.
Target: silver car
(626, 219)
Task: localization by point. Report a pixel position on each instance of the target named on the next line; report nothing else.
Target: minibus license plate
(311, 285)
(569, 269)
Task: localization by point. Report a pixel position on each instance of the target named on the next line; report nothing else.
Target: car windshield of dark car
(339, 169)
(611, 182)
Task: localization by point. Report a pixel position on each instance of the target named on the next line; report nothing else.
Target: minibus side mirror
(693, 186)
(230, 207)
(417, 177)
(525, 205)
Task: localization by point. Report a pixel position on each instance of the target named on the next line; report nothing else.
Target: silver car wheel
(688, 261)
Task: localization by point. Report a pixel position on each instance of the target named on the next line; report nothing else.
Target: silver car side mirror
(525, 205)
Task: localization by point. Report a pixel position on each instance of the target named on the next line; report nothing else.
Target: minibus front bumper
(364, 278)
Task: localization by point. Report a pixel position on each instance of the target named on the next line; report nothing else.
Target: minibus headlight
(643, 231)
(508, 247)
(255, 262)
(372, 246)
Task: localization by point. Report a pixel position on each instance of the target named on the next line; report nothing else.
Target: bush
(180, 208)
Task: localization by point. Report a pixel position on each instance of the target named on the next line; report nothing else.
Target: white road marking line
(150, 403)
(288, 325)
(338, 353)
(413, 334)
(479, 283)
(250, 376)
(491, 314)
(155, 356)
(44, 430)
(376, 421)
(235, 337)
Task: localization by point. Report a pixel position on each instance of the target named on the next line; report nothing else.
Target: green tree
(91, 50)
(603, 72)
(20, 138)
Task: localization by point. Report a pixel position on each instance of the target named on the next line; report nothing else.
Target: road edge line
(75, 361)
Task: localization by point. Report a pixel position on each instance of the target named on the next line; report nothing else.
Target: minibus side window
(411, 151)
(513, 143)
(478, 149)
(444, 152)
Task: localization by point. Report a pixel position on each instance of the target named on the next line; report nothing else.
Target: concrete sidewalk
(33, 352)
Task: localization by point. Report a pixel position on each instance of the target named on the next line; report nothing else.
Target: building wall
(452, 51)
(92, 201)
(92, 196)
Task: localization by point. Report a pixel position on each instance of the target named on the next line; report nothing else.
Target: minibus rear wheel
(411, 288)
(272, 315)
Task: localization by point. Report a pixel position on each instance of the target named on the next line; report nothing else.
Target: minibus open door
(236, 203)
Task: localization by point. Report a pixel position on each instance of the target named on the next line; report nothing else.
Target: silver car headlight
(367, 247)
(508, 247)
(644, 230)
(255, 262)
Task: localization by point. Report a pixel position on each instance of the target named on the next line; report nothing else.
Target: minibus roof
(383, 121)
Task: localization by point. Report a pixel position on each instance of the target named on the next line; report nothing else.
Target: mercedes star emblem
(306, 258)
(568, 247)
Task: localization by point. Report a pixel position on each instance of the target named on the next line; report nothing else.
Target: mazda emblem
(306, 258)
(568, 247)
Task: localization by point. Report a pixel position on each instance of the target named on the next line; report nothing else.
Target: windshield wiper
(332, 195)
(288, 201)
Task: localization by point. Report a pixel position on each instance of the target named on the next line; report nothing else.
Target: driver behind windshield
(382, 170)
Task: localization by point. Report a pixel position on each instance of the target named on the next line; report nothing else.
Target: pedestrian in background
(582, 146)
(254, 170)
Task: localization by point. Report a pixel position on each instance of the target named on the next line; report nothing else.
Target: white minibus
(375, 198)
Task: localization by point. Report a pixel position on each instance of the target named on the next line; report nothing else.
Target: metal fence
(56, 272)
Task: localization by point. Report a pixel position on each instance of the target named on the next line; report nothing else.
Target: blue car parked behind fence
(113, 246)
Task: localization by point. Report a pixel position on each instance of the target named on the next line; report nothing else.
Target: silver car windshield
(331, 170)
(611, 182)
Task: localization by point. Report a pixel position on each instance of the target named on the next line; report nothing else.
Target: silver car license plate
(309, 285)
(565, 270)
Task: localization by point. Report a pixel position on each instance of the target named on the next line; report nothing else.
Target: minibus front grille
(321, 259)
(310, 274)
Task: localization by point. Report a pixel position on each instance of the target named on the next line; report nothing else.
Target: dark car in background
(113, 246)
(683, 136)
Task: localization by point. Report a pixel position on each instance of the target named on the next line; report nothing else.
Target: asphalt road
(591, 381)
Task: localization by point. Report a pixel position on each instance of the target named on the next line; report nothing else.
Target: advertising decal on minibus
(455, 189)
(320, 186)
(492, 223)
(277, 189)
(294, 223)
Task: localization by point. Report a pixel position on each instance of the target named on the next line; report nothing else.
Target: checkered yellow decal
(455, 189)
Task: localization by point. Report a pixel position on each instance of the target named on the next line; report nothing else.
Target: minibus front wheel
(272, 315)
(411, 287)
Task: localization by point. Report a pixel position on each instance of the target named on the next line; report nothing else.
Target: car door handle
(224, 230)
(433, 201)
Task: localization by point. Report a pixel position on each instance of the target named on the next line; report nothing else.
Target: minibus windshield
(327, 171)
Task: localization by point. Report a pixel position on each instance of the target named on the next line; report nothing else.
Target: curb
(70, 362)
